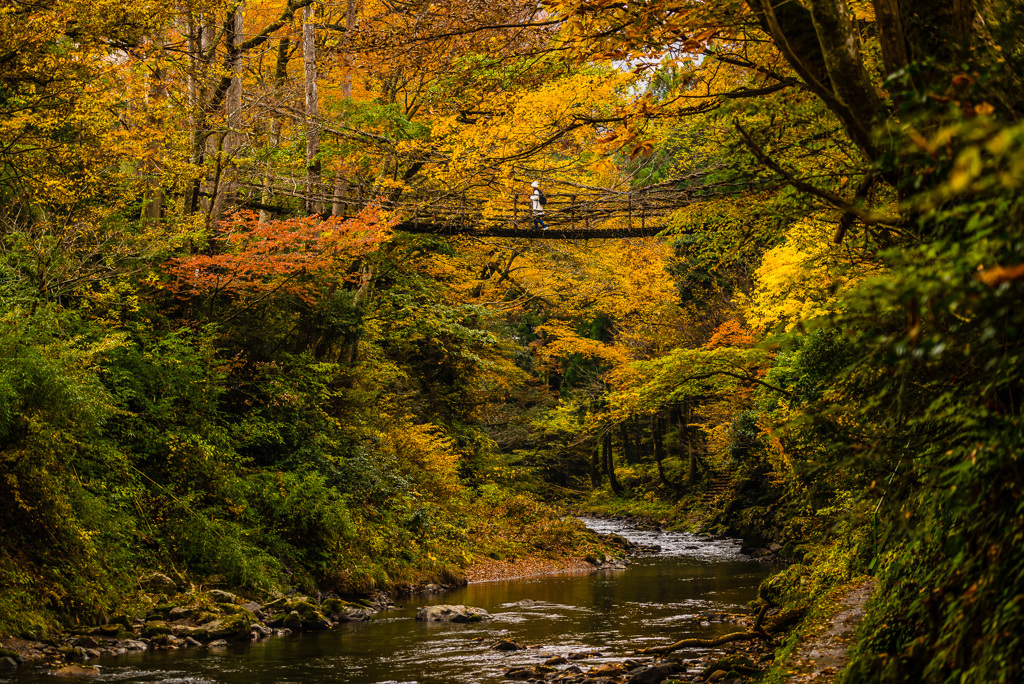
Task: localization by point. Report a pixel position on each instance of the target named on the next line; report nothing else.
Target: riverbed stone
(159, 583)
(655, 674)
(608, 670)
(190, 632)
(180, 613)
(132, 645)
(253, 607)
(220, 596)
(311, 617)
(339, 610)
(8, 663)
(292, 621)
(506, 645)
(155, 628)
(452, 613)
(235, 626)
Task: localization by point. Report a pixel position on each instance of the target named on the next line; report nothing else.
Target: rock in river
(450, 613)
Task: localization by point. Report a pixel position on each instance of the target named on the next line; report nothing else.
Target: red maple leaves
(290, 256)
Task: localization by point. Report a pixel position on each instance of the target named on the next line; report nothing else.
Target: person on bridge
(537, 202)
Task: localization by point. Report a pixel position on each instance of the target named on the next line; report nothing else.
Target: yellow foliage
(801, 279)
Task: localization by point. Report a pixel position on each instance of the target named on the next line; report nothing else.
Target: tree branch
(835, 200)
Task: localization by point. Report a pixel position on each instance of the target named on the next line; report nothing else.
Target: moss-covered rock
(276, 606)
(158, 583)
(197, 633)
(292, 621)
(219, 596)
(155, 628)
(312, 618)
(237, 626)
(123, 621)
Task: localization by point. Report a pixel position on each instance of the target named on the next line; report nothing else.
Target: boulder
(607, 670)
(311, 617)
(520, 673)
(506, 645)
(155, 628)
(235, 626)
(343, 611)
(655, 674)
(292, 621)
(167, 641)
(261, 631)
(8, 663)
(220, 596)
(158, 583)
(110, 630)
(253, 607)
(180, 613)
(190, 632)
(132, 645)
(452, 613)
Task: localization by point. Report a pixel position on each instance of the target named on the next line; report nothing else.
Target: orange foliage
(286, 255)
(730, 334)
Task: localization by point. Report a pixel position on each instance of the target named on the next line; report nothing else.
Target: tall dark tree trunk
(314, 204)
(687, 452)
(609, 464)
(595, 466)
(658, 436)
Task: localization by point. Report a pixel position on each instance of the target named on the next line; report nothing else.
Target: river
(659, 598)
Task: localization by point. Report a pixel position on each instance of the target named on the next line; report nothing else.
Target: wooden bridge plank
(550, 234)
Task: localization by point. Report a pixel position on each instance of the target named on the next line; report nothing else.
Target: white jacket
(535, 202)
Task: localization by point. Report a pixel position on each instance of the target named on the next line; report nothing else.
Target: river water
(659, 598)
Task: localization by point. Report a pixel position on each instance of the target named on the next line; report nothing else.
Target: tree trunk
(226, 190)
(313, 203)
(153, 210)
(350, 354)
(658, 435)
(595, 466)
(609, 464)
(686, 449)
(274, 133)
(350, 23)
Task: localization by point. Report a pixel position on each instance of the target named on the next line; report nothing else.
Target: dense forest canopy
(221, 359)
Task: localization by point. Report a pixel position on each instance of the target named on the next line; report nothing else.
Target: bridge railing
(585, 210)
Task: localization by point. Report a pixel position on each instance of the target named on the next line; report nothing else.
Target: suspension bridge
(573, 214)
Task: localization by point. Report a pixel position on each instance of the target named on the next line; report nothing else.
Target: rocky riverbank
(212, 619)
(208, 619)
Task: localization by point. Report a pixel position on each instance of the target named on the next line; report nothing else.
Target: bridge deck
(553, 233)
